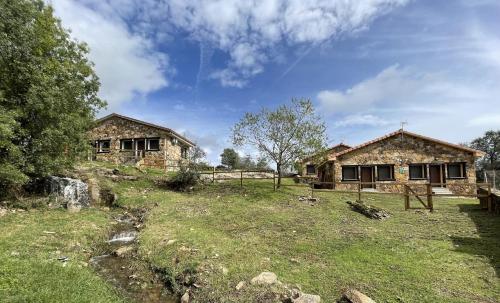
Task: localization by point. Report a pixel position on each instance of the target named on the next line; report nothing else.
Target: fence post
(407, 197)
(312, 189)
(213, 175)
(274, 180)
(359, 191)
(490, 206)
(241, 178)
(430, 204)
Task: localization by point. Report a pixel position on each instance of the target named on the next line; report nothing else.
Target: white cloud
(247, 30)
(127, 64)
(392, 85)
(362, 120)
(489, 120)
(438, 104)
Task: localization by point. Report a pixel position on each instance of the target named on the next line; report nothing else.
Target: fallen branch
(369, 211)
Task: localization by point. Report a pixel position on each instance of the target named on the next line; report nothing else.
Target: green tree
(284, 135)
(230, 158)
(490, 144)
(48, 93)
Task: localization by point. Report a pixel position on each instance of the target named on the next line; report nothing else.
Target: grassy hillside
(225, 234)
(222, 234)
(31, 243)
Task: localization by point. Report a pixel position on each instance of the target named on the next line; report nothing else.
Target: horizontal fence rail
(422, 192)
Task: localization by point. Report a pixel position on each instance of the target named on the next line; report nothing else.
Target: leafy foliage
(48, 93)
(490, 144)
(283, 135)
(184, 179)
(230, 158)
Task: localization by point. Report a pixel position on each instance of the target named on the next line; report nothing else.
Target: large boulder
(265, 278)
(73, 192)
(354, 296)
(307, 298)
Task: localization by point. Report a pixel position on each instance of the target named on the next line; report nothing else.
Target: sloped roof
(327, 151)
(475, 152)
(173, 133)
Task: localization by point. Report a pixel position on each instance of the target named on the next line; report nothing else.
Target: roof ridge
(402, 131)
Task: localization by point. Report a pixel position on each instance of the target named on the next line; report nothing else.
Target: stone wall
(116, 128)
(402, 151)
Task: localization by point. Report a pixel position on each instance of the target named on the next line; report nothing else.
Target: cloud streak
(248, 30)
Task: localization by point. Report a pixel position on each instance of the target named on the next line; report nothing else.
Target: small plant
(183, 180)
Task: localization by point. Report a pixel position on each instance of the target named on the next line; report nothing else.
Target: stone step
(441, 191)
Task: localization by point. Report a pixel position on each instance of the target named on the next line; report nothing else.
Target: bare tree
(284, 135)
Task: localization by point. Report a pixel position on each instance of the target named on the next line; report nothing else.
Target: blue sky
(198, 66)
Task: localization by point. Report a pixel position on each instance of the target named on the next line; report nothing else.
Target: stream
(121, 266)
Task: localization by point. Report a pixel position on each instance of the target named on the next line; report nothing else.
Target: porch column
(427, 170)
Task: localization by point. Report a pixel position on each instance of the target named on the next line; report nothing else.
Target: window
(310, 169)
(153, 144)
(456, 171)
(184, 152)
(418, 171)
(126, 144)
(385, 172)
(103, 146)
(349, 173)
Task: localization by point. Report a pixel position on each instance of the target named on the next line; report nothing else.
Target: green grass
(225, 234)
(31, 242)
(448, 256)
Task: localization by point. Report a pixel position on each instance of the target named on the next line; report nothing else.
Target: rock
(73, 207)
(107, 197)
(171, 241)
(265, 278)
(354, 296)
(120, 252)
(14, 254)
(3, 212)
(185, 297)
(94, 191)
(240, 285)
(73, 191)
(224, 270)
(369, 211)
(307, 298)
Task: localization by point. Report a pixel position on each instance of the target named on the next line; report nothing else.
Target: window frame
(122, 141)
(307, 169)
(356, 172)
(463, 170)
(148, 142)
(184, 152)
(392, 177)
(99, 146)
(424, 170)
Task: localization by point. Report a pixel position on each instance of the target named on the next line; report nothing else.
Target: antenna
(403, 123)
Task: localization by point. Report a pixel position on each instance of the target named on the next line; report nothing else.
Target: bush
(183, 180)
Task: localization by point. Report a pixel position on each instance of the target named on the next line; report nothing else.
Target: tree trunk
(278, 168)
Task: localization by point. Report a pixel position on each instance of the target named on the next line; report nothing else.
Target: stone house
(400, 157)
(124, 140)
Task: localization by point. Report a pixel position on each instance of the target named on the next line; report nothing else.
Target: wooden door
(367, 176)
(140, 146)
(436, 175)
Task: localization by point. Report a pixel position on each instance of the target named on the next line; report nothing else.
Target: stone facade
(313, 159)
(116, 128)
(399, 151)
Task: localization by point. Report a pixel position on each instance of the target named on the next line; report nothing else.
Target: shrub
(184, 179)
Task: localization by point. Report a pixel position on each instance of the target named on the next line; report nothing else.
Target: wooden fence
(422, 192)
